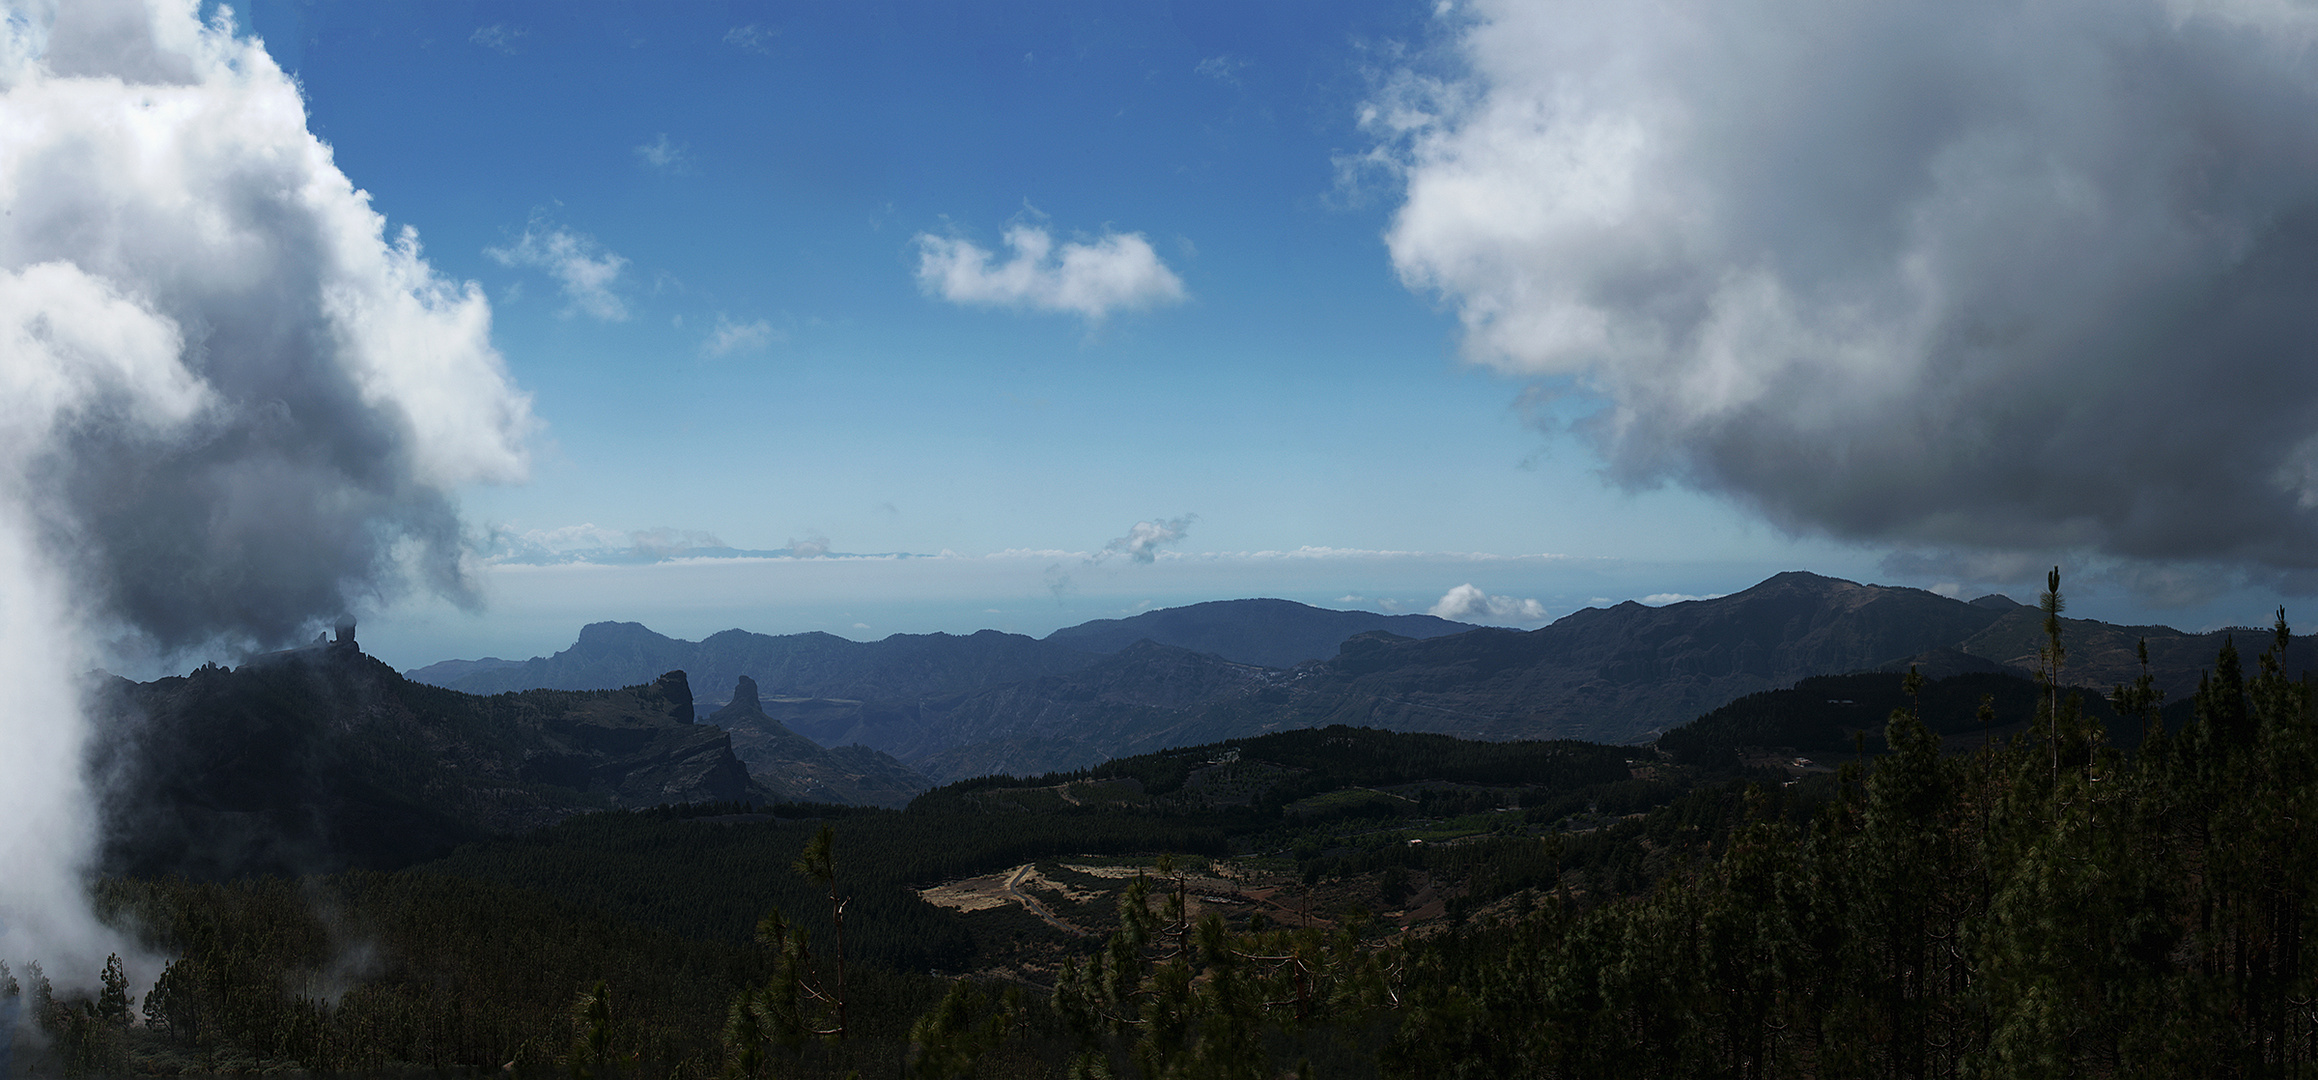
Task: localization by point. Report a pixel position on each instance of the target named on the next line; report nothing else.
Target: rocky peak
(744, 699)
(678, 692)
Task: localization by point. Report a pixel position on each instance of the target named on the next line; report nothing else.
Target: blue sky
(703, 230)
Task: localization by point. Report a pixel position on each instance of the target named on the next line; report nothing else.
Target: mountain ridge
(1259, 630)
(1619, 674)
(323, 758)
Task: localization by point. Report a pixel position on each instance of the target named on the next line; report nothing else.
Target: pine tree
(113, 1002)
(819, 863)
(11, 1002)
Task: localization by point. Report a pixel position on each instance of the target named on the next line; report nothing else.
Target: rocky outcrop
(800, 769)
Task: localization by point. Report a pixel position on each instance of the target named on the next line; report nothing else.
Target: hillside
(1832, 718)
(322, 757)
(798, 769)
(2102, 655)
(1267, 633)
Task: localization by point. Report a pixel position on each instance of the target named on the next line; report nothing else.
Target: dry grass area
(1230, 890)
(972, 894)
(1075, 901)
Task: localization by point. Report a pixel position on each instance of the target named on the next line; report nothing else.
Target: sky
(704, 231)
(875, 318)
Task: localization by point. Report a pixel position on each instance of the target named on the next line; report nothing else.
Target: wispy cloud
(1467, 603)
(1117, 271)
(1223, 69)
(581, 266)
(498, 37)
(1142, 543)
(730, 337)
(750, 38)
(663, 153)
(590, 543)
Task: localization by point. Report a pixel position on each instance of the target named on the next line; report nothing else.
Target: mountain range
(956, 706)
(1269, 633)
(322, 757)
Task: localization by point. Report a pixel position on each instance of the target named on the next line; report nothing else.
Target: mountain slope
(1832, 718)
(797, 768)
(1143, 698)
(1270, 633)
(321, 758)
(2103, 655)
(1623, 673)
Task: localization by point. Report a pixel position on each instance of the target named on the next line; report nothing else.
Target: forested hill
(323, 757)
(1830, 719)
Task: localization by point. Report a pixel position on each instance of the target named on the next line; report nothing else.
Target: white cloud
(750, 38)
(1118, 271)
(1223, 69)
(581, 266)
(1142, 543)
(591, 543)
(557, 541)
(232, 404)
(1309, 551)
(661, 153)
(1940, 272)
(730, 337)
(498, 37)
(1664, 598)
(667, 543)
(1466, 603)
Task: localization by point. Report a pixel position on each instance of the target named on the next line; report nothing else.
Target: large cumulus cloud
(175, 235)
(1974, 273)
(231, 403)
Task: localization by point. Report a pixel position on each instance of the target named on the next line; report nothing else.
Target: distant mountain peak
(599, 635)
(1805, 577)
